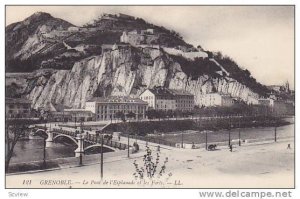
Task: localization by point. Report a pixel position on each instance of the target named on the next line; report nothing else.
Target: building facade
(78, 115)
(17, 108)
(252, 99)
(107, 108)
(168, 99)
(139, 37)
(278, 107)
(215, 99)
(266, 102)
(184, 101)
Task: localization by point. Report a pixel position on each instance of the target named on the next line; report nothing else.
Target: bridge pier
(49, 140)
(80, 150)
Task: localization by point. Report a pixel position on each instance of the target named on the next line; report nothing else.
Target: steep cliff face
(70, 66)
(123, 71)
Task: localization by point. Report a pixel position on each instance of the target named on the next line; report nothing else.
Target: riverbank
(257, 165)
(70, 162)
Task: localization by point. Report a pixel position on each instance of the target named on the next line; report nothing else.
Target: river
(33, 150)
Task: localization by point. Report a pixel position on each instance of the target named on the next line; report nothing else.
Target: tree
(160, 114)
(14, 130)
(170, 113)
(130, 115)
(151, 113)
(120, 115)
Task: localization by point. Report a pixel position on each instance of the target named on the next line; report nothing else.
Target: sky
(258, 38)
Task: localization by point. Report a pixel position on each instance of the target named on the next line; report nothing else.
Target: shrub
(151, 168)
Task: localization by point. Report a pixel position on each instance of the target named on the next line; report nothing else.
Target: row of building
(159, 98)
(106, 108)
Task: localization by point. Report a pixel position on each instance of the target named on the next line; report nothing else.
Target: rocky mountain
(69, 65)
(32, 40)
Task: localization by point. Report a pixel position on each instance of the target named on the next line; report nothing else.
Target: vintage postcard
(149, 97)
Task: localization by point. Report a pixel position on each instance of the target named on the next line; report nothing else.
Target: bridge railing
(94, 139)
(70, 133)
(107, 142)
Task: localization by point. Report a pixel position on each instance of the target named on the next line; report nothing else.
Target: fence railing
(153, 140)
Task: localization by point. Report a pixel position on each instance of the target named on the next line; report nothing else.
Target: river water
(33, 150)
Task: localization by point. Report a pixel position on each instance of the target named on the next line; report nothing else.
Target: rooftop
(166, 92)
(117, 99)
(77, 111)
(163, 92)
(180, 92)
(219, 93)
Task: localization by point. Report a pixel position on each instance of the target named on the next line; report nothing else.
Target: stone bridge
(84, 140)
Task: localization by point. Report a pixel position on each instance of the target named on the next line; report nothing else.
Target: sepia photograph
(149, 97)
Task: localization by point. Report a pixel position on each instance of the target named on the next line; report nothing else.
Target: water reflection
(32, 150)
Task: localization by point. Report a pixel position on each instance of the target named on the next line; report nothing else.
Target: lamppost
(275, 129)
(82, 125)
(79, 151)
(82, 134)
(44, 150)
(239, 131)
(128, 146)
(229, 132)
(44, 155)
(206, 140)
(63, 116)
(181, 139)
(75, 122)
(80, 159)
(50, 119)
(101, 161)
(275, 132)
(126, 129)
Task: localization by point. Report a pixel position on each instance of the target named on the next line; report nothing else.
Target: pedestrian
(119, 137)
(193, 145)
(289, 146)
(137, 147)
(230, 148)
(158, 148)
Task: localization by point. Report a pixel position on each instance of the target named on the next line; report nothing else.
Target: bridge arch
(40, 131)
(63, 135)
(99, 145)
